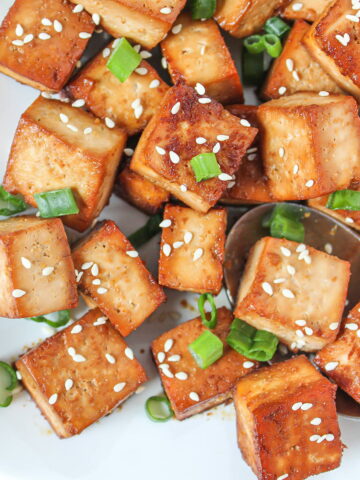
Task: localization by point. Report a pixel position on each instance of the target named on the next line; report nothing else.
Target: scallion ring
(272, 44)
(56, 203)
(63, 317)
(202, 8)
(276, 26)
(254, 44)
(344, 200)
(8, 382)
(206, 349)
(158, 408)
(207, 297)
(205, 166)
(10, 204)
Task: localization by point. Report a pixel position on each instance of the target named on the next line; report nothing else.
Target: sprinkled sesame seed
(164, 63)
(308, 331)
(295, 169)
(46, 22)
(248, 364)
(301, 247)
(76, 329)
(19, 31)
(78, 8)
(161, 357)
(167, 372)
(323, 93)
(97, 281)
(87, 130)
(316, 421)
(178, 244)
(69, 384)
(26, 262)
(119, 386)
(198, 254)
(44, 36)
(349, 220)
(183, 188)
(296, 406)
(314, 438)
(64, 118)
(53, 399)
(267, 288)
(216, 148)
(300, 323)
(306, 406)
(47, 271)
(86, 265)
(188, 236)
(96, 18)
(291, 270)
(78, 103)
(110, 358)
(351, 326)
(71, 127)
(129, 353)
(224, 177)
(331, 366)
(18, 43)
(17, 293)
(328, 248)
(329, 437)
(71, 351)
(165, 10)
(175, 109)
(244, 123)
(160, 150)
(204, 100)
(281, 152)
(132, 253)
(101, 290)
(343, 39)
(78, 358)
(165, 223)
(145, 54)
(141, 71)
(309, 183)
(18, 375)
(177, 29)
(285, 251)
(299, 333)
(282, 90)
(174, 157)
(279, 280)
(200, 140)
(168, 344)
(297, 6)
(352, 18)
(181, 375)
(58, 26)
(128, 151)
(166, 249)
(84, 35)
(95, 270)
(200, 89)
(287, 293)
(154, 83)
(295, 75)
(174, 358)
(194, 396)
(109, 122)
(333, 325)
(222, 138)
(163, 366)
(282, 477)
(138, 111)
(106, 52)
(100, 321)
(28, 38)
(289, 64)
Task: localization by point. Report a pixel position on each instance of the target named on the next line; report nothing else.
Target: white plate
(125, 444)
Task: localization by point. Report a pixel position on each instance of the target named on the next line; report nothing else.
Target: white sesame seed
(138, 111)
(181, 375)
(78, 358)
(132, 253)
(285, 251)
(282, 90)
(282, 477)
(188, 236)
(154, 83)
(167, 373)
(352, 18)
(145, 54)
(297, 6)
(110, 358)
(18, 43)
(44, 36)
(119, 386)
(129, 152)
(174, 358)
(161, 357)
(71, 127)
(200, 89)
(224, 177)
(58, 26)
(287, 293)
(71, 351)
(301, 247)
(163, 366)
(96, 18)
(47, 271)
(160, 150)
(168, 345)
(177, 29)
(183, 188)
(86, 265)
(200, 140)
(289, 64)
(178, 244)
(295, 169)
(267, 288)
(165, 223)
(248, 364)
(343, 39)
(194, 396)
(349, 220)
(281, 152)
(64, 118)
(166, 249)
(165, 10)
(129, 353)
(314, 438)
(296, 406)
(106, 52)
(279, 280)
(78, 103)
(299, 333)
(309, 183)
(291, 270)
(109, 122)
(141, 71)
(76, 329)
(84, 35)
(69, 384)
(351, 326)
(100, 321)
(53, 399)
(97, 281)
(323, 93)
(244, 123)
(216, 148)
(204, 100)
(329, 437)
(19, 31)
(18, 375)
(175, 109)
(328, 248)
(331, 366)
(293, 346)
(308, 331)
(316, 421)
(174, 157)
(295, 75)
(300, 323)
(95, 270)
(164, 63)
(101, 290)
(25, 262)
(78, 8)
(136, 103)
(87, 130)
(28, 38)
(17, 293)
(333, 325)
(222, 138)
(46, 22)
(137, 48)
(198, 254)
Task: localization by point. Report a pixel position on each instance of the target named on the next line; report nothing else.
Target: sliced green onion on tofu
(202, 8)
(10, 204)
(254, 44)
(205, 166)
(272, 44)
(276, 26)
(8, 382)
(158, 408)
(284, 221)
(56, 203)
(252, 67)
(344, 200)
(147, 232)
(123, 60)
(207, 297)
(206, 349)
(62, 318)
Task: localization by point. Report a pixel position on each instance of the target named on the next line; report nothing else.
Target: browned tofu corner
(309, 10)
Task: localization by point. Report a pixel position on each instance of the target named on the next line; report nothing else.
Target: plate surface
(125, 444)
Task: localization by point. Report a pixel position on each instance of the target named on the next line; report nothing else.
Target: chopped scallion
(202, 8)
(10, 204)
(146, 232)
(284, 221)
(56, 203)
(123, 60)
(272, 44)
(252, 67)
(344, 200)
(158, 408)
(205, 166)
(207, 297)
(254, 44)
(63, 317)
(206, 349)
(276, 26)
(8, 382)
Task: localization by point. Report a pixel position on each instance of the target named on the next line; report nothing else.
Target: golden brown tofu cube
(130, 104)
(341, 360)
(191, 389)
(296, 71)
(81, 374)
(192, 249)
(287, 424)
(245, 17)
(283, 290)
(311, 144)
(308, 10)
(37, 272)
(186, 125)
(113, 277)
(333, 40)
(250, 184)
(195, 52)
(43, 55)
(58, 146)
(141, 193)
(145, 22)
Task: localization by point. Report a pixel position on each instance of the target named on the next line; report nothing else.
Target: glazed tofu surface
(192, 249)
(198, 54)
(57, 146)
(43, 56)
(107, 97)
(285, 289)
(171, 140)
(340, 360)
(198, 389)
(81, 374)
(286, 421)
(308, 10)
(124, 290)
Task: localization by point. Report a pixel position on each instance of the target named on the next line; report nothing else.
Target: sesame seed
(166, 249)
(267, 288)
(333, 325)
(100, 321)
(161, 357)
(119, 386)
(222, 138)
(300, 323)
(248, 364)
(28, 38)
(19, 31)
(174, 358)
(129, 353)
(137, 48)
(165, 223)
(329, 437)
(138, 111)
(69, 384)
(160, 150)
(188, 237)
(200, 89)
(96, 18)
(25, 262)
(299, 333)
(308, 331)
(224, 177)
(282, 477)
(291, 270)
(53, 399)
(76, 329)
(297, 6)
(301, 247)
(323, 93)
(178, 244)
(281, 152)
(295, 75)
(168, 344)
(282, 90)
(110, 358)
(331, 366)
(183, 188)
(95, 270)
(194, 396)
(44, 36)
(101, 290)
(78, 358)
(200, 140)
(84, 35)
(285, 251)
(154, 83)
(47, 271)
(87, 130)
(316, 421)
(163, 366)
(244, 123)
(109, 122)
(204, 100)
(351, 326)
(164, 63)
(177, 29)
(295, 169)
(289, 64)
(64, 118)
(46, 22)
(167, 372)
(296, 406)
(314, 438)
(106, 52)
(97, 281)
(78, 8)
(145, 54)
(86, 265)
(279, 280)
(71, 351)
(309, 183)
(128, 151)
(17, 293)
(352, 18)
(198, 254)
(175, 108)
(216, 148)
(141, 71)
(18, 375)
(328, 248)
(181, 375)
(18, 43)
(349, 220)
(78, 103)
(174, 157)
(343, 39)
(287, 293)
(72, 127)
(165, 10)
(132, 253)
(58, 26)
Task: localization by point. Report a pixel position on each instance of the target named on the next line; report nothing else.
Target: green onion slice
(344, 200)
(63, 317)
(207, 297)
(284, 221)
(205, 166)
(158, 408)
(123, 60)
(8, 382)
(252, 67)
(276, 26)
(272, 44)
(146, 232)
(56, 203)
(206, 349)
(10, 204)
(254, 44)
(202, 8)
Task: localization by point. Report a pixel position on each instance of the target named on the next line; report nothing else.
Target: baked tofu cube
(311, 144)
(250, 184)
(41, 41)
(333, 40)
(130, 104)
(192, 249)
(245, 17)
(294, 291)
(139, 192)
(195, 52)
(145, 22)
(186, 125)
(112, 276)
(341, 360)
(308, 10)
(350, 218)
(295, 70)
(81, 374)
(191, 389)
(287, 425)
(58, 146)
(37, 272)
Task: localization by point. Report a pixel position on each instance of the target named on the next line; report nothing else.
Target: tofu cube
(139, 192)
(308, 10)
(145, 22)
(195, 52)
(186, 125)
(37, 272)
(191, 389)
(333, 41)
(250, 184)
(58, 146)
(107, 97)
(283, 289)
(81, 374)
(245, 17)
(287, 424)
(295, 70)
(192, 249)
(114, 278)
(311, 144)
(43, 56)
(340, 360)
